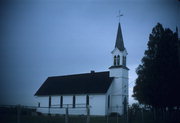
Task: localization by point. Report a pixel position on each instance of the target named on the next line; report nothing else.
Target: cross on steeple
(119, 16)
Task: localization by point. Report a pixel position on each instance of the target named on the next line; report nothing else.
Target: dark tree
(158, 82)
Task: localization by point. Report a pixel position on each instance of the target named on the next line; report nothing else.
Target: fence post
(107, 118)
(66, 117)
(154, 113)
(88, 114)
(18, 113)
(142, 115)
(117, 114)
(127, 113)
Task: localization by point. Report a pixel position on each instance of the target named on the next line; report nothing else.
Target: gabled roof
(119, 39)
(88, 83)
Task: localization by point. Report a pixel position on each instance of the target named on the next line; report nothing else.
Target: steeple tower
(119, 53)
(118, 92)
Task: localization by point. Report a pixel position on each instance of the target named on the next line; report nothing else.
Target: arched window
(124, 60)
(114, 60)
(118, 60)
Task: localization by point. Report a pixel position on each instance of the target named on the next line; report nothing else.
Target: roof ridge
(78, 74)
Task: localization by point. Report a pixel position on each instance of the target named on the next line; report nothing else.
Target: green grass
(76, 119)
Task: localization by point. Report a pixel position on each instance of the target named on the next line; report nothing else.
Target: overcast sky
(41, 38)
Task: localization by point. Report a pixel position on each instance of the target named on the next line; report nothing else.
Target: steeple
(118, 92)
(119, 53)
(119, 39)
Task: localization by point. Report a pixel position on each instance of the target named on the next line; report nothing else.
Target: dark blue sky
(41, 38)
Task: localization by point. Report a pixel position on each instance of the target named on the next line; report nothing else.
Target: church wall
(43, 103)
(80, 106)
(80, 100)
(55, 102)
(115, 72)
(125, 73)
(118, 72)
(125, 85)
(96, 102)
(67, 100)
(115, 93)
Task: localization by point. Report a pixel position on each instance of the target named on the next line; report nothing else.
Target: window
(118, 60)
(74, 101)
(124, 60)
(87, 100)
(61, 101)
(108, 101)
(49, 101)
(114, 60)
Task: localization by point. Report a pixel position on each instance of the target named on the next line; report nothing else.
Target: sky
(42, 38)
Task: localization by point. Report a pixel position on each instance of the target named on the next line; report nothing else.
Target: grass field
(76, 119)
(11, 115)
(57, 119)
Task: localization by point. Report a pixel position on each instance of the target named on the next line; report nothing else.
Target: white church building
(102, 92)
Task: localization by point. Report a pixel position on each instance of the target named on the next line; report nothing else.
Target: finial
(119, 16)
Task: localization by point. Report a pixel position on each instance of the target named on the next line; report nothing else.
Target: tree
(135, 108)
(158, 79)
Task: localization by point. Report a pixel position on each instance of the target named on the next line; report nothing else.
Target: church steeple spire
(119, 53)
(119, 39)
(119, 71)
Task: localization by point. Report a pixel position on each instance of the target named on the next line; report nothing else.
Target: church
(103, 92)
